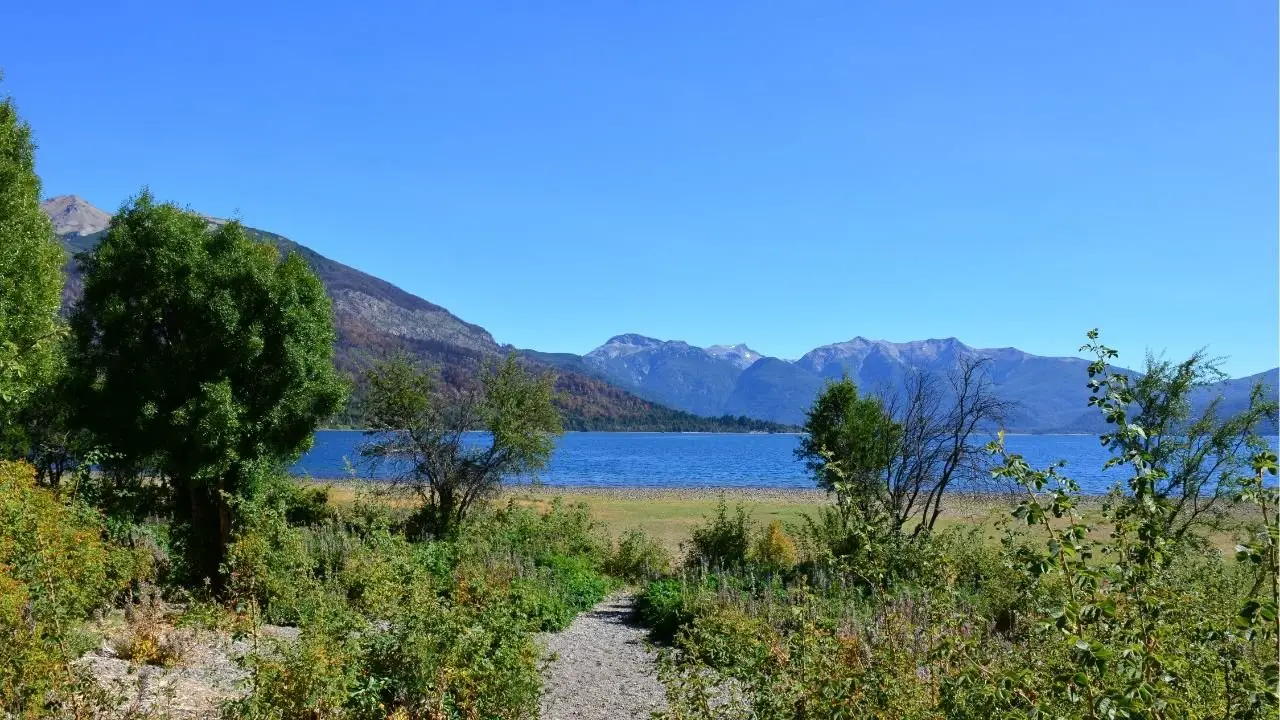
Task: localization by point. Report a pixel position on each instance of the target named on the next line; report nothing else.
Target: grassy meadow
(670, 516)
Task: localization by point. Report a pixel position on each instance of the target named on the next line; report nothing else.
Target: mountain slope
(1048, 393)
(361, 299)
(776, 389)
(374, 317)
(672, 373)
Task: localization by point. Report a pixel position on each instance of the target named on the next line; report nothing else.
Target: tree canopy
(201, 356)
(30, 276)
(848, 437)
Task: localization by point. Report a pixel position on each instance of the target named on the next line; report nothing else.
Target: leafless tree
(942, 421)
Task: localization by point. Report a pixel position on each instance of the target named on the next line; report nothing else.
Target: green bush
(517, 531)
(548, 596)
(470, 655)
(724, 541)
(661, 607)
(450, 659)
(304, 504)
(774, 550)
(439, 628)
(638, 558)
(806, 656)
(270, 566)
(576, 579)
(312, 677)
(867, 553)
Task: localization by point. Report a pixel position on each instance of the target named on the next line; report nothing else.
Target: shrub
(302, 504)
(444, 659)
(774, 549)
(575, 578)
(55, 568)
(796, 656)
(312, 677)
(148, 637)
(270, 566)
(438, 629)
(518, 531)
(866, 552)
(638, 558)
(661, 607)
(724, 542)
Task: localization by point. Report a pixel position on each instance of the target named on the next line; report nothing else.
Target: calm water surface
(677, 460)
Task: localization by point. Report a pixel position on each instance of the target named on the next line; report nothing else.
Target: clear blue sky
(787, 174)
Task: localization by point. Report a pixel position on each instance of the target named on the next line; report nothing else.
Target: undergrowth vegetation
(57, 565)
(427, 628)
(388, 624)
(1111, 616)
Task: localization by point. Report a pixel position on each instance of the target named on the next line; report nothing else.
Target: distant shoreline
(728, 432)
(798, 495)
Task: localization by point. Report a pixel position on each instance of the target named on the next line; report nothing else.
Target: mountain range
(374, 317)
(634, 382)
(1048, 393)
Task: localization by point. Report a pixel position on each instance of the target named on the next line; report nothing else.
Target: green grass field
(671, 515)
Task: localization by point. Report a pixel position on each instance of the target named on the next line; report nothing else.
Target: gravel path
(603, 669)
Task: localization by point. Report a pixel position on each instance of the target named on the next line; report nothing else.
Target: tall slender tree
(202, 358)
(30, 277)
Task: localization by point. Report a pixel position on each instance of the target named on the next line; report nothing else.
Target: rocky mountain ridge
(73, 215)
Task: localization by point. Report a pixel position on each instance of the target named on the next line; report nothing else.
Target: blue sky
(785, 174)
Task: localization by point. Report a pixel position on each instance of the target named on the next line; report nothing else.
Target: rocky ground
(204, 672)
(599, 667)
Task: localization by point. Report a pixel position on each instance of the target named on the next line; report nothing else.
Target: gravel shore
(732, 494)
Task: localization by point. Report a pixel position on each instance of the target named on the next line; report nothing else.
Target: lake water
(678, 460)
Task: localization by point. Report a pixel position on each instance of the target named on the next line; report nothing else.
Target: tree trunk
(208, 532)
(445, 511)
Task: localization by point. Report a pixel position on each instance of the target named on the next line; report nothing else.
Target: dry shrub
(149, 636)
(775, 549)
(56, 568)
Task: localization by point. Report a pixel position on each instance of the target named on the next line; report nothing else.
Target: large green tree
(202, 358)
(30, 277)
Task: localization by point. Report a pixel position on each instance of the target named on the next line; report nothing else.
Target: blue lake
(678, 460)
